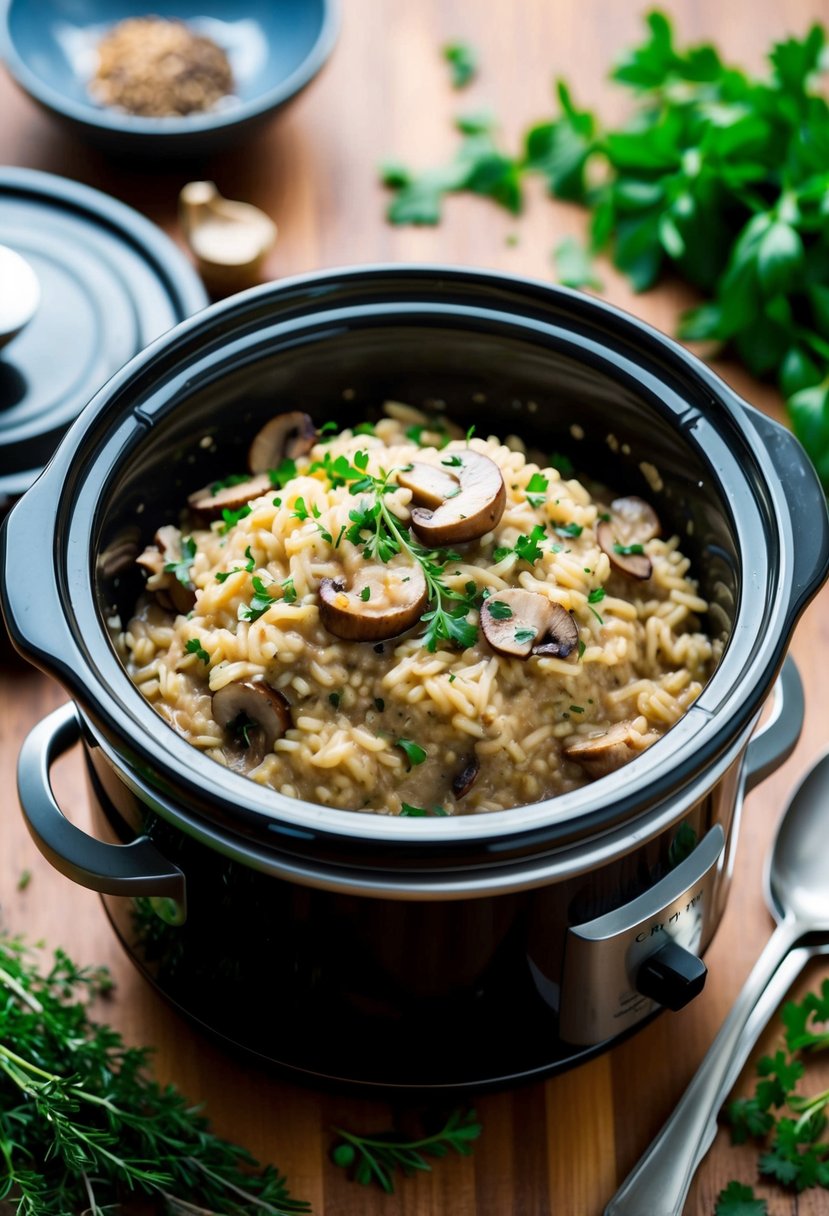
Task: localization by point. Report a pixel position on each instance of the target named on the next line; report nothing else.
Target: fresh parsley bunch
(717, 175)
(84, 1128)
(791, 1126)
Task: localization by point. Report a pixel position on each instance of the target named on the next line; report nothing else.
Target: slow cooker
(368, 949)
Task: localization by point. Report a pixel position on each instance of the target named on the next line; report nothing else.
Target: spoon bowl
(797, 886)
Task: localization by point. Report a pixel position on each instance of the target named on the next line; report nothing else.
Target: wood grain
(560, 1147)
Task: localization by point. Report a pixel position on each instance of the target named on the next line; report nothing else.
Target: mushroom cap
(229, 498)
(258, 702)
(171, 592)
(285, 436)
(527, 623)
(601, 754)
(397, 597)
(430, 486)
(473, 508)
(634, 520)
(634, 565)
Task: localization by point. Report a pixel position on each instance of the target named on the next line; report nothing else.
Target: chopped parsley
(248, 567)
(596, 595)
(364, 428)
(335, 698)
(525, 635)
(528, 548)
(181, 568)
(300, 511)
(195, 647)
(569, 529)
(260, 602)
(581, 647)
(282, 474)
(415, 754)
(499, 610)
(536, 490)
(576, 709)
(231, 518)
(365, 594)
(420, 812)
(289, 591)
(328, 428)
(453, 462)
(463, 61)
(628, 550)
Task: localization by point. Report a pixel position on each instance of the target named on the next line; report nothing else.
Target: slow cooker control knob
(672, 976)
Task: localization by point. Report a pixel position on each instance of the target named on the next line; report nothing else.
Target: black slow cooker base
(438, 1062)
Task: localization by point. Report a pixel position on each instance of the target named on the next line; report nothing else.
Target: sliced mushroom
(382, 602)
(430, 486)
(247, 702)
(562, 635)
(527, 623)
(229, 498)
(471, 508)
(465, 779)
(286, 436)
(601, 754)
(169, 589)
(633, 522)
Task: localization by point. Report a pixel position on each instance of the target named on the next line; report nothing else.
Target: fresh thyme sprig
(382, 536)
(81, 1140)
(376, 1158)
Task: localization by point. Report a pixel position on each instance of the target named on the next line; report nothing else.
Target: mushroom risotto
(402, 619)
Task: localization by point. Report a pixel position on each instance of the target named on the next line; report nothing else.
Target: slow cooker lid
(134, 420)
(110, 282)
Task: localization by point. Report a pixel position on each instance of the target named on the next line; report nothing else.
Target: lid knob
(19, 294)
(672, 976)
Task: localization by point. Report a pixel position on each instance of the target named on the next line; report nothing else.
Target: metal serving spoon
(797, 891)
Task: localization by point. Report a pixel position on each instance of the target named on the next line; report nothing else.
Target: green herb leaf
(739, 1200)
(383, 1154)
(628, 550)
(536, 490)
(300, 511)
(195, 647)
(335, 698)
(231, 518)
(499, 610)
(596, 595)
(261, 601)
(525, 635)
(365, 594)
(415, 754)
(569, 529)
(285, 472)
(84, 1123)
(574, 266)
(463, 60)
(181, 568)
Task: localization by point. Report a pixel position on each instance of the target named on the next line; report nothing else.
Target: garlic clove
(229, 240)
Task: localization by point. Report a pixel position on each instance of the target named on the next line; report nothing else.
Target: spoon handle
(659, 1182)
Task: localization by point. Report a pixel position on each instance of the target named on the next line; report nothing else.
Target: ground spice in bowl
(157, 68)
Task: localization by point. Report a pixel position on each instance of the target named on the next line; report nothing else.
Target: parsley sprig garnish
(181, 567)
(791, 1125)
(379, 532)
(376, 1158)
(718, 175)
(82, 1122)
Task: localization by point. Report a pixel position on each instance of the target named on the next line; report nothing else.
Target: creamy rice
(642, 657)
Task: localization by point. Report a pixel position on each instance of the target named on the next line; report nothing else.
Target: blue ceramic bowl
(275, 48)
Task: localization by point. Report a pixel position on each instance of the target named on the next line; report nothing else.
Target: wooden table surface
(562, 1147)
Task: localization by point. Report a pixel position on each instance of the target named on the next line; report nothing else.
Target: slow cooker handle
(114, 869)
(776, 739)
(805, 501)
